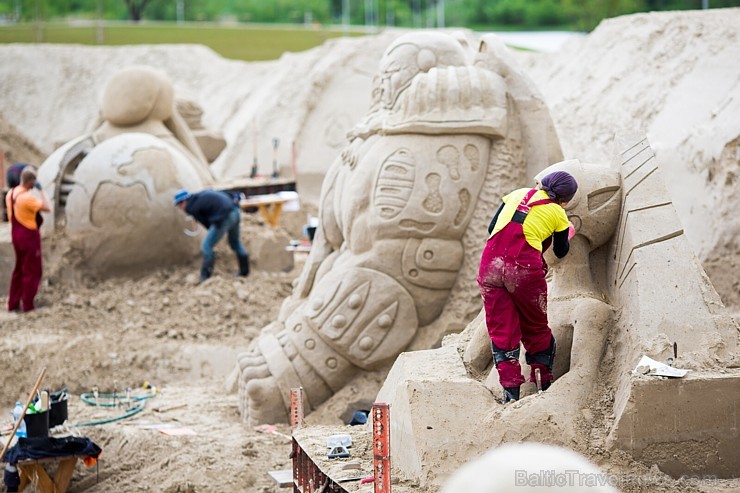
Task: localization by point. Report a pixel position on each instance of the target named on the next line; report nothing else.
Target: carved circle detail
(385, 321)
(310, 344)
(354, 301)
(317, 304)
(366, 343)
(331, 363)
(413, 273)
(428, 254)
(339, 321)
(297, 327)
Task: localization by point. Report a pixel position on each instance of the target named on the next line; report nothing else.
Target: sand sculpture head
(111, 190)
(401, 216)
(594, 208)
(410, 55)
(137, 94)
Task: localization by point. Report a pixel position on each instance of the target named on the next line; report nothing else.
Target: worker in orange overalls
(23, 211)
(512, 277)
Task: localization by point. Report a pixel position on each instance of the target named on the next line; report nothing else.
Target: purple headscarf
(560, 186)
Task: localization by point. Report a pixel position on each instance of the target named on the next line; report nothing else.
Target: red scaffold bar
(296, 407)
(382, 447)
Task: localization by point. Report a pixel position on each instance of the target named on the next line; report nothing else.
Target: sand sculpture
(402, 210)
(630, 286)
(111, 190)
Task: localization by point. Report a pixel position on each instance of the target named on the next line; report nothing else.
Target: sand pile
(16, 146)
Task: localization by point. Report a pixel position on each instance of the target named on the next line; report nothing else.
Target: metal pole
(705, 4)
(345, 16)
(440, 13)
(37, 23)
(275, 144)
(254, 150)
(99, 35)
(180, 11)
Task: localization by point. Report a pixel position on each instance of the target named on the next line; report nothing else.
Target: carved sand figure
(400, 212)
(630, 286)
(111, 189)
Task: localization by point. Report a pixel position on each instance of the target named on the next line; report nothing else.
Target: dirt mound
(16, 147)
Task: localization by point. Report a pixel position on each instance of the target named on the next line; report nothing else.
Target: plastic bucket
(58, 412)
(37, 424)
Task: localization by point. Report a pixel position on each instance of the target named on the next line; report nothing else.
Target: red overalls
(24, 283)
(512, 282)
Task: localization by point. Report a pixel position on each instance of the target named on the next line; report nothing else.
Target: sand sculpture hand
(394, 237)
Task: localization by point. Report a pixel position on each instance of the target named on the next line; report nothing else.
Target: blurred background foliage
(581, 15)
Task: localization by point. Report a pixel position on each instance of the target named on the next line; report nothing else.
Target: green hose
(118, 399)
(89, 398)
(129, 412)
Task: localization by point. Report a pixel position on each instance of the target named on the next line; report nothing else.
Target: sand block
(686, 425)
(434, 414)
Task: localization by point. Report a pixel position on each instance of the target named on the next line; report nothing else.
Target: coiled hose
(117, 400)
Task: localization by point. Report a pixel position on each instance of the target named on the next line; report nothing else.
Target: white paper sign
(659, 369)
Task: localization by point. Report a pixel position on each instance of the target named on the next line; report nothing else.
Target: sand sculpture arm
(328, 236)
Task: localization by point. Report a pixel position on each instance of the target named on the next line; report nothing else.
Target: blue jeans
(217, 231)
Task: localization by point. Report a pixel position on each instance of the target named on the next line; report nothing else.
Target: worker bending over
(512, 277)
(220, 215)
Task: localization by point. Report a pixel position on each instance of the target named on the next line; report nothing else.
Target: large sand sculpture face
(402, 212)
(111, 190)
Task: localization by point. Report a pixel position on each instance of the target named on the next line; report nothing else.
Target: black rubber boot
(510, 394)
(206, 269)
(243, 265)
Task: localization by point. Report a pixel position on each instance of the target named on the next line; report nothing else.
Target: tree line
(476, 14)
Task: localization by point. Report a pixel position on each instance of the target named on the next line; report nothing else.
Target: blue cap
(181, 195)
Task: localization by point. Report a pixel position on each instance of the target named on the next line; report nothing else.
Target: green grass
(238, 42)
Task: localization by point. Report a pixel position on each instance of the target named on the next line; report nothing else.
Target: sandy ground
(179, 336)
(182, 337)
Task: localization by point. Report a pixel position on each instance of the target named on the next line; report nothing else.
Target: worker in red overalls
(512, 277)
(23, 211)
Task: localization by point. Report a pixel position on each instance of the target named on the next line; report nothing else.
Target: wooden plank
(283, 477)
(37, 476)
(64, 474)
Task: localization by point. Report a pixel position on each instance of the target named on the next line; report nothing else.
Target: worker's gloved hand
(571, 230)
(37, 185)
